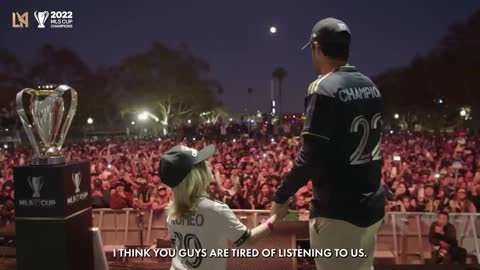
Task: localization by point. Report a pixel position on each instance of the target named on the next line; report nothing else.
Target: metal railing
(403, 235)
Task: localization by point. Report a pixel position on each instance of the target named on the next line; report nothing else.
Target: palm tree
(280, 74)
(250, 92)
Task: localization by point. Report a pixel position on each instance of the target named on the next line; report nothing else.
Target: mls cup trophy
(46, 115)
(53, 212)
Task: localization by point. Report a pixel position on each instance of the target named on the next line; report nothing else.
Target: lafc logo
(19, 20)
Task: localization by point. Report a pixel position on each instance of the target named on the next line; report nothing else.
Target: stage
(9, 264)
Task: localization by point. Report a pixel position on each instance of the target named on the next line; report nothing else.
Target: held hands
(280, 210)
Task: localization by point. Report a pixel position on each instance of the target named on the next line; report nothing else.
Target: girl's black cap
(179, 161)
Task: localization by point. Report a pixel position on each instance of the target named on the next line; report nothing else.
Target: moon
(273, 29)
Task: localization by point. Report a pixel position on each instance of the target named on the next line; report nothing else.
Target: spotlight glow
(143, 116)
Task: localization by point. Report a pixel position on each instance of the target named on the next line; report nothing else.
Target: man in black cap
(341, 153)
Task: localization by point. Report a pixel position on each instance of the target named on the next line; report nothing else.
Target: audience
(422, 172)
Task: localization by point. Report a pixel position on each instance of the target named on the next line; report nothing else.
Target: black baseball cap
(329, 30)
(179, 161)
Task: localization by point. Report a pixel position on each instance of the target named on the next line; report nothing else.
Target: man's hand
(280, 210)
(444, 245)
(439, 230)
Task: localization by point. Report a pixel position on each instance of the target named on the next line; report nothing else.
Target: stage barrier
(402, 239)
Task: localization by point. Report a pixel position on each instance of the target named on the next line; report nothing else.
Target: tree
(280, 74)
(168, 82)
(12, 74)
(215, 115)
(448, 72)
(64, 66)
(250, 93)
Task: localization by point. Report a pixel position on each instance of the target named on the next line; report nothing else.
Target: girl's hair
(187, 193)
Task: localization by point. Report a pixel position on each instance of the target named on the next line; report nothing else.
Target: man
(341, 152)
(160, 200)
(443, 238)
(462, 204)
(120, 198)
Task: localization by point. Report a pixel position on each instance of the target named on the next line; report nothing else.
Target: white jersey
(210, 227)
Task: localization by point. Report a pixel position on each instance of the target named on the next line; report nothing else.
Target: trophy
(36, 184)
(77, 180)
(41, 18)
(46, 115)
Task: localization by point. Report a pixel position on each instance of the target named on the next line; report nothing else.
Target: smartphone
(397, 158)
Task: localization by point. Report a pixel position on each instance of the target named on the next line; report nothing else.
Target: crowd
(422, 172)
(8, 117)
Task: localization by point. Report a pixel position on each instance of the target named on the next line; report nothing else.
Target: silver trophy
(77, 180)
(46, 115)
(36, 184)
(41, 18)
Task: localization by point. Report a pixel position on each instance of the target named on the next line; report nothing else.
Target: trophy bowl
(46, 115)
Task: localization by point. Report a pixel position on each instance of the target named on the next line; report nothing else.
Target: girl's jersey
(198, 232)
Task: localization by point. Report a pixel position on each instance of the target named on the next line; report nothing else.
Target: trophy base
(40, 161)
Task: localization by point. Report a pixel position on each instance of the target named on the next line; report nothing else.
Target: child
(196, 222)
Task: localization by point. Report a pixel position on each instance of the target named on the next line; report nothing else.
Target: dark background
(233, 36)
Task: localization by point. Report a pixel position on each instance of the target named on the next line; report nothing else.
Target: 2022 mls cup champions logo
(41, 18)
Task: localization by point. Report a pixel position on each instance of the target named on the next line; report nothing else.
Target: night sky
(233, 36)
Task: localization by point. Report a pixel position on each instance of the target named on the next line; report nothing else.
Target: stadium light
(396, 116)
(133, 123)
(273, 30)
(89, 121)
(143, 116)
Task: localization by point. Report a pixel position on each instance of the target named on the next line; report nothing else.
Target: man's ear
(315, 47)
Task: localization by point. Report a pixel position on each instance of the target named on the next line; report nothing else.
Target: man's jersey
(209, 227)
(345, 109)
